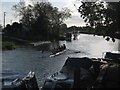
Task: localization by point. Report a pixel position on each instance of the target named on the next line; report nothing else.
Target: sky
(6, 6)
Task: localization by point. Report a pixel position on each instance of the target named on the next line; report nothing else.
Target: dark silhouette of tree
(42, 20)
(0, 27)
(103, 16)
(8, 29)
(63, 29)
(14, 30)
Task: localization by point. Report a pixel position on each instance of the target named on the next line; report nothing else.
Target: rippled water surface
(34, 60)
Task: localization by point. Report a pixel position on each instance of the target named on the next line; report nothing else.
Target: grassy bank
(8, 45)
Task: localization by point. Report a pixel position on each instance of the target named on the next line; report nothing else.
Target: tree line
(40, 21)
(103, 16)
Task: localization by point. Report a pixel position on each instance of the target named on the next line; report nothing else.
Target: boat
(18, 80)
(59, 50)
(58, 53)
(113, 56)
(75, 73)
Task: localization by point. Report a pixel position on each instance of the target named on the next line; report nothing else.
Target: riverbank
(10, 43)
(117, 36)
(6, 45)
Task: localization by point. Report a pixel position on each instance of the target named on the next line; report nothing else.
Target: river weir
(32, 59)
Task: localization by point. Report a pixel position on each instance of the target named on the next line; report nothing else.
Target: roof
(112, 55)
(78, 62)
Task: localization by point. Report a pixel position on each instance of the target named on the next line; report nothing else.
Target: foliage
(8, 45)
(103, 16)
(43, 21)
(91, 13)
(15, 30)
(0, 27)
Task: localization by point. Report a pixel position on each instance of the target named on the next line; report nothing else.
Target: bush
(8, 46)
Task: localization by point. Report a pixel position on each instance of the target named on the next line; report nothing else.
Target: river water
(25, 59)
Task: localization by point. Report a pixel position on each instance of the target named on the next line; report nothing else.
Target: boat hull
(56, 54)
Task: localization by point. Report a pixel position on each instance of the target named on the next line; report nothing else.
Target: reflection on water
(44, 66)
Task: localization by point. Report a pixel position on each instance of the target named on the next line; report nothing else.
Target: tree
(103, 16)
(14, 30)
(42, 19)
(0, 27)
(63, 29)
